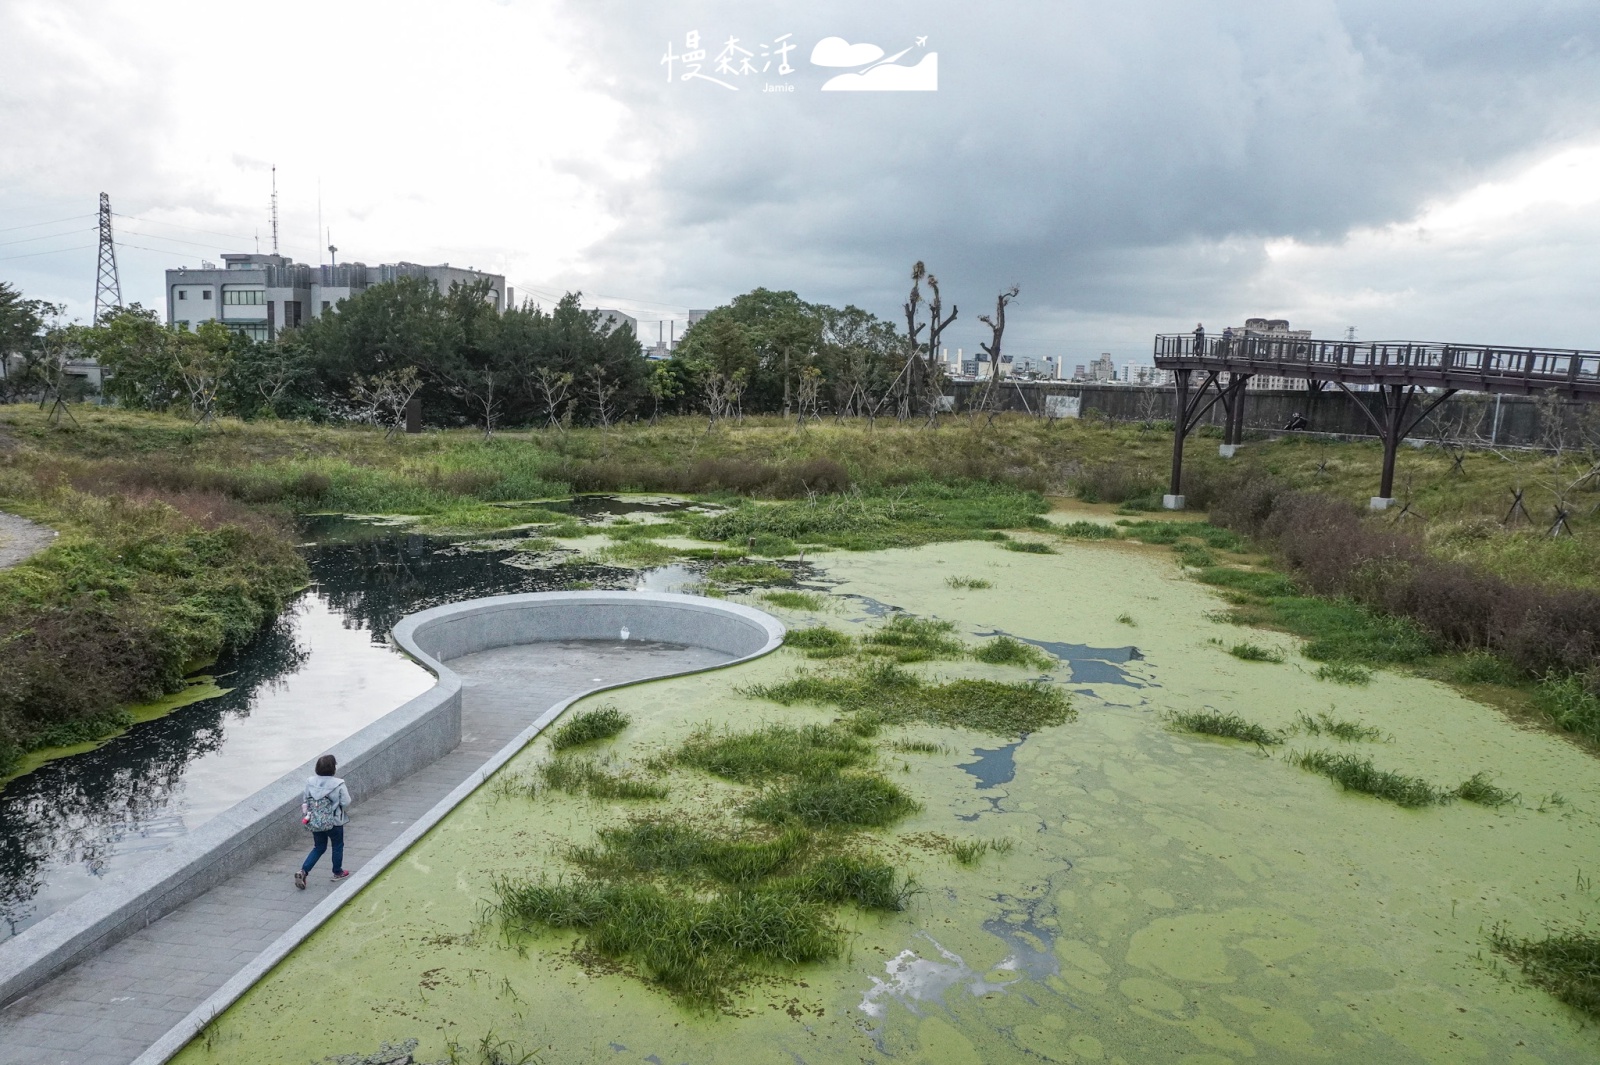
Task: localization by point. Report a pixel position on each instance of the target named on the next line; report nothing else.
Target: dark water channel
(320, 672)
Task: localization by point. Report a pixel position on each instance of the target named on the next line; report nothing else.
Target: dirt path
(20, 538)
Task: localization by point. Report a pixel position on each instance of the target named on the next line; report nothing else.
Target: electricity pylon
(107, 288)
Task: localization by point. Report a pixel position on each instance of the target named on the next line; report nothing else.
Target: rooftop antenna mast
(274, 209)
(107, 287)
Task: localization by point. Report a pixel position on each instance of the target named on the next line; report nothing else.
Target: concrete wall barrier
(399, 743)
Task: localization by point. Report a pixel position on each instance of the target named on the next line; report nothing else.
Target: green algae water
(1166, 897)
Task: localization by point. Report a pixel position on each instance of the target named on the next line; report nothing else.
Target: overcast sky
(1420, 170)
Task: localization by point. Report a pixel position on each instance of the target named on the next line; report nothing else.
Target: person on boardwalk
(323, 809)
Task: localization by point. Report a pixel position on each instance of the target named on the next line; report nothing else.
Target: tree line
(469, 364)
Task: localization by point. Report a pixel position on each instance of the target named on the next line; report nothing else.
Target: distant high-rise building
(1102, 369)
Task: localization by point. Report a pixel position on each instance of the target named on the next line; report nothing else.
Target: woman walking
(323, 810)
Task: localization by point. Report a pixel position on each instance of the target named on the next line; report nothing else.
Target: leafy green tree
(136, 356)
(23, 327)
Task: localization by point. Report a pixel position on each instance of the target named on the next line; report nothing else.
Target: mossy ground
(1163, 898)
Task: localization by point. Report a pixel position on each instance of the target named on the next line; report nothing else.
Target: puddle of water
(994, 766)
(1089, 665)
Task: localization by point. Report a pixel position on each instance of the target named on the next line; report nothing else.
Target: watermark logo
(865, 67)
(875, 72)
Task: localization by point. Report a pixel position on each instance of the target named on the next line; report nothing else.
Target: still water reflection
(323, 670)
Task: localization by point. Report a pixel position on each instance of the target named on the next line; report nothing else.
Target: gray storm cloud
(1119, 161)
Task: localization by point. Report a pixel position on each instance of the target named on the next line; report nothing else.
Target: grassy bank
(138, 591)
(450, 475)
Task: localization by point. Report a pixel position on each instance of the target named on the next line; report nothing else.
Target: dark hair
(326, 765)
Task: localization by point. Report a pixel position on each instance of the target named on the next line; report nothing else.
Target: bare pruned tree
(601, 390)
(551, 388)
(807, 386)
(997, 332)
(382, 398)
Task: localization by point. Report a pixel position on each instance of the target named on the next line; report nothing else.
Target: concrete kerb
(766, 635)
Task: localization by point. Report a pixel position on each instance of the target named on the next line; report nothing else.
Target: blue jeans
(336, 834)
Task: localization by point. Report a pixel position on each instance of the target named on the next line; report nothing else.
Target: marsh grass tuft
(1566, 964)
(1127, 619)
(1086, 530)
(1251, 652)
(921, 747)
(585, 776)
(846, 800)
(1227, 725)
(776, 750)
(972, 583)
(1325, 724)
(1570, 703)
(1005, 651)
(746, 573)
(638, 553)
(697, 948)
(1343, 673)
(1359, 774)
(1194, 555)
(588, 726)
(1480, 667)
(970, 851)
(819, 642)
(1029, 547)
(912, 639)
(794, 600)
(670, 848)
(1478, 788)
(895, 695)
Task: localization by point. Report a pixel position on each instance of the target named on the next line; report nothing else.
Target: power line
(179, 225)
(36, 225)
(50, 251)
(47, 236)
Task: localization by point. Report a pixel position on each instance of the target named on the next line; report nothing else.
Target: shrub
(973, 583)
(1114, 482)
(1250, 652)
(1030, 547)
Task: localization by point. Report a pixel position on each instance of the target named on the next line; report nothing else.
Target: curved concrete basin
(62, 956)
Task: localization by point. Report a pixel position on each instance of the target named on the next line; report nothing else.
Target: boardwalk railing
(1469, 367)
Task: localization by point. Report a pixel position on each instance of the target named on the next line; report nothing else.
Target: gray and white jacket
(320, 787)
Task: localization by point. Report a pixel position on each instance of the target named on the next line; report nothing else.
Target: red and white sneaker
(300, 879)
(341, 876)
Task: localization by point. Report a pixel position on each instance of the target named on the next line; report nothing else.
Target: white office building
(259, 295)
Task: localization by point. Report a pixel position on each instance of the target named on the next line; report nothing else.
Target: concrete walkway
(106, 1011)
